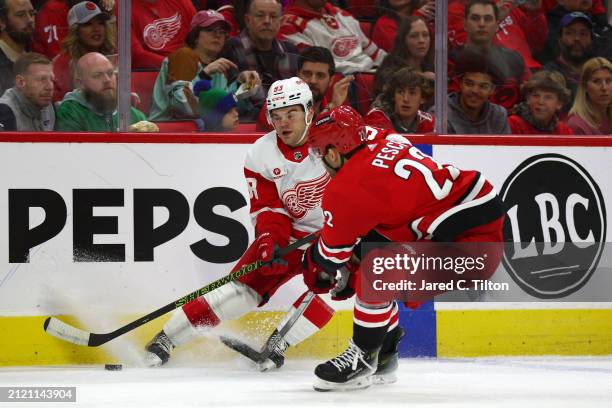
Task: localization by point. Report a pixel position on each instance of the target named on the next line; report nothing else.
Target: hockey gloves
(315, 277)
(266, 251)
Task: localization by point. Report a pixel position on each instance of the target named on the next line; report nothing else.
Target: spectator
(576, 47)
(51, 24)
(411, 48)
(394, 11)
(159, 27)
(234, 15)
(218, 108)
(257, 49)
(545, 93)
(90, 31)
(199, 59)
(51, 27)
(469, 110)
(316, 67)
(29, 103)
(317, 22)
(17, 25)
(602, 40)
(521, 28)
(398, 106)
(93, 106)
(592, 110)
(481, 19)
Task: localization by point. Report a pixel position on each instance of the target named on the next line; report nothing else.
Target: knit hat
(214, 103)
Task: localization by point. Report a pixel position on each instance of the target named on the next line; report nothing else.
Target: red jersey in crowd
(158, 29)
(423, 123)
(523, 31)
(404, 195)
(51, 27)
(520, 126)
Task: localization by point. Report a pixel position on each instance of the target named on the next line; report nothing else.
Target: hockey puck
(113, 367)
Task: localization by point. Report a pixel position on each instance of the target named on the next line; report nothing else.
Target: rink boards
(104, 229)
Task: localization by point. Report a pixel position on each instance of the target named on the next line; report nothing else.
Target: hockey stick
(66, 332)
(261, 356)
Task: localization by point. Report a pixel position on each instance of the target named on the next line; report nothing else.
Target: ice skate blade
(381, 379)
(356, 384)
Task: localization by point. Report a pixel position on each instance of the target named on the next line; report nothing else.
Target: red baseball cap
(206, 18)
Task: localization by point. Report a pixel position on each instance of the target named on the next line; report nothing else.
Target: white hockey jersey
(285, 187)
(336, 30)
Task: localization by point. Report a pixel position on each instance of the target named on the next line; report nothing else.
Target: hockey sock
(370, 323)
(315, 316)
(227, 302)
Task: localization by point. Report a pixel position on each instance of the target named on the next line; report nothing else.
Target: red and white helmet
(342, 127)
(288, 92)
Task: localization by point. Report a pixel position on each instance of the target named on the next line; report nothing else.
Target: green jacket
(75, 114)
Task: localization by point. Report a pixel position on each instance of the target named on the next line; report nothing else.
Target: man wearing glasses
(257, 49)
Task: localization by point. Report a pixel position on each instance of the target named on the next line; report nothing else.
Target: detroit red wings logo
(305, 196)
(158, 33)
(343, 46)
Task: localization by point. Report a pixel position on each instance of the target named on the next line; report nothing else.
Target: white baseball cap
(84, 12)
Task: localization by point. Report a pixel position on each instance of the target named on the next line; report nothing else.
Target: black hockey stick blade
(64, 331)
(243, 348)
(261, 356)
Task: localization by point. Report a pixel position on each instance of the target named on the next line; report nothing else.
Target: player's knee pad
(315, 316)
(232, 300)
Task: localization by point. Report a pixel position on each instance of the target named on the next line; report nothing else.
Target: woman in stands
(386, 27)
(411, 48)
(199, 59)
(90, 30)
(591, 113)
(398, 107)
(545, 94)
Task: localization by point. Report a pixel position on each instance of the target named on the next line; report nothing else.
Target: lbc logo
(555, 226)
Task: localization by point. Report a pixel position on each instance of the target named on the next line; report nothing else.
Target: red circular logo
(90, 5)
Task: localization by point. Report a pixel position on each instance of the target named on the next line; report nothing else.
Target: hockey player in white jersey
(285, 188)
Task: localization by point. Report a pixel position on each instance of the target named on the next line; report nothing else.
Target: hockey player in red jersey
(285, 188)
(398, 194)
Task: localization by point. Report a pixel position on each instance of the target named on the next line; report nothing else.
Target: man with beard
(93, 105)
(28, 104)
(576, 47)
(17, 30)
(316, 67)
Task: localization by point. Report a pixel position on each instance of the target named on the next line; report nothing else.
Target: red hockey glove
(266, 251)
(345, 288)
(315, 277)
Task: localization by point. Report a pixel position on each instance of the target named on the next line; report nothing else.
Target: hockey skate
(158, 350)
(350, 370)
(388, 358)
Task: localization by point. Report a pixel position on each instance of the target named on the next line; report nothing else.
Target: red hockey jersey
(51, 27)
(404, 195)
(424, 122)
(158, 29)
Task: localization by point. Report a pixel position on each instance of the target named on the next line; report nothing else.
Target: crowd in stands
(514, 66)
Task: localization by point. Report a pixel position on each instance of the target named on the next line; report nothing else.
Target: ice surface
(462, 383)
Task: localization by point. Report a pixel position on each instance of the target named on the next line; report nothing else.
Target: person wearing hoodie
(469, 109)
(93, 105)
(27, 106)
